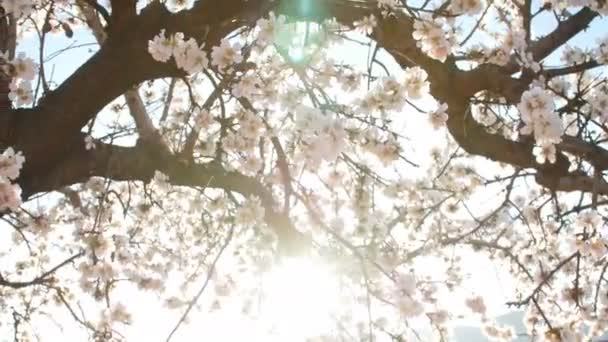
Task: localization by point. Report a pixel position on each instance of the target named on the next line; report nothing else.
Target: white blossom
(21, 92)
(268, 28)
(367, 24)
(161, 47)
(189, 56)
(470, 7)
(10, 195)
(226, 54)
(432, 38)
(89, 142)
(24, 67)
(11, 163)
(251, 212)
(416, 84)
(439, 117)
(537, 110)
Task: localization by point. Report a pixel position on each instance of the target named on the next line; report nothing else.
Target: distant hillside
(473, 334)
(514, 319)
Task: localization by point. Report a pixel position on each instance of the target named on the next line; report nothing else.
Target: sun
(300, 298)
(299, 42)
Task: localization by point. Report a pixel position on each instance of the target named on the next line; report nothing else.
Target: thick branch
(394, 34)
(565, 30)
(138, 111)
(563, 33)
(139, 164)
(121, 63)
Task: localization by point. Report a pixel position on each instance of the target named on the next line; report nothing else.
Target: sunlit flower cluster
(189, 56)
(416, 83)
(467, 6)
(439, 117)
(367, 24)
(537, 110)
(386, 149)
(10, 166)
(323, 137)
(433, 38)
(573, 55)
(226, 54)
(268, 28)
(22, 70)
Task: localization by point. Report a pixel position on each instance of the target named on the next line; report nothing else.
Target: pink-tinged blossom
(89, 142)
(367, 24)
(24, 67)
(432, 38)
(161, 47)
(537, 110)
(476, 304)
(11, 163)
(544, 153)
(21, 92)
(189, 56)
(10, 195)
(416, 84)
(469, 7)
(573, 55)
(268, 28)
(226, 54)
(251, 212)
(439, 117)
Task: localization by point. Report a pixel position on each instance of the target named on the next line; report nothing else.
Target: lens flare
(299, 299)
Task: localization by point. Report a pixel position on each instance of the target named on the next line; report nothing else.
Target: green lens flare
(299, 41)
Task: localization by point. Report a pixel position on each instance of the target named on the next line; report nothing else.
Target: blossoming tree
(206, 142)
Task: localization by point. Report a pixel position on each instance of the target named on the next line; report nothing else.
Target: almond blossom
(226, 54)
(432, 38)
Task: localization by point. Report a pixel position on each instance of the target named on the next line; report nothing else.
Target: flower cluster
(22, 69)
(247, 85)
(385, 149)
(598, 101)
(188, 55)
(573, 55)
(389, 95)
(226, 54)
(323, 137)
(513, 40)
(416, 84)
(367, 24)
(10, 166)
(433, 39)
(405, 296)
(252, 212)
(439, 117)
(268, 28)
(387, 6)
(539, 117)
(245, 138)
(470, 7)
